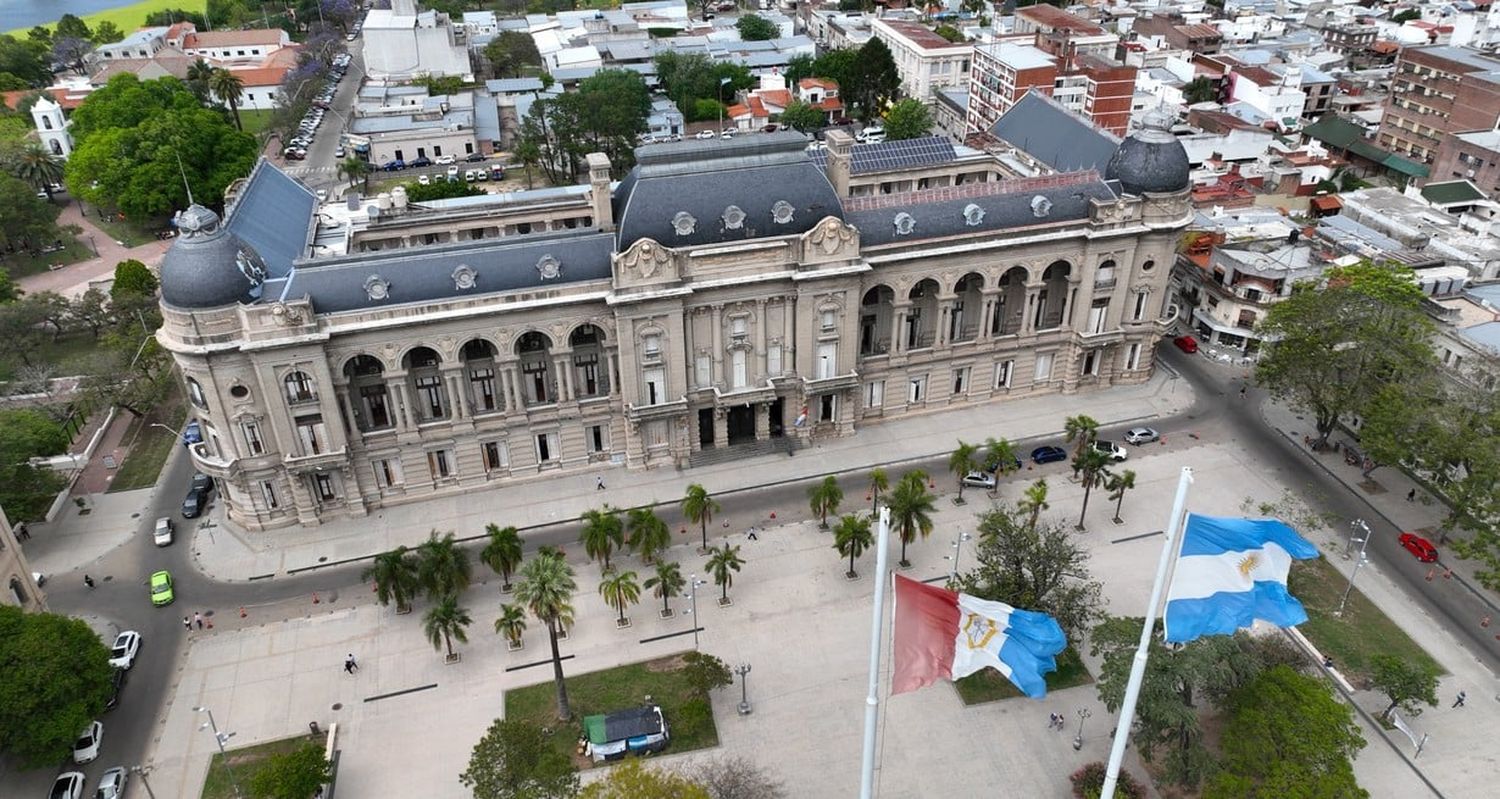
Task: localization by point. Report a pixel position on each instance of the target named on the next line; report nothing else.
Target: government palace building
(725, 298)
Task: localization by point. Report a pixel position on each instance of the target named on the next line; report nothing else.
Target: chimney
(599, 196)
(840, 154)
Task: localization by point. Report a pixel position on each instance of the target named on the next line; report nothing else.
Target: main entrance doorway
(741, 424)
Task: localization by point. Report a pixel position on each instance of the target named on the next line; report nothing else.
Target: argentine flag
(1231, 572)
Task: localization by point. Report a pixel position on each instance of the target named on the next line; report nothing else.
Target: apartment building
(1436, 90)
(926, 61)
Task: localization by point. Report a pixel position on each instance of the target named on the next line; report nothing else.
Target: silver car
(112, 784)
(984, 480)
(1141, 435)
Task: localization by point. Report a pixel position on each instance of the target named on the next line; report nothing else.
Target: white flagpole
(1169, 551)
(877, 630)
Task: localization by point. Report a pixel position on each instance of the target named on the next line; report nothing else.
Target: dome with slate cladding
(207, 266)
(1151, 159)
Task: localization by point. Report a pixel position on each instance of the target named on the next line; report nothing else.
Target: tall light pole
(142, 771)
(220, 738)
(744, 671)
(1083, 714)
(693, 583)
(958, 551)
(1363, 543)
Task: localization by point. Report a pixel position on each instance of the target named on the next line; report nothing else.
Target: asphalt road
(122, 595)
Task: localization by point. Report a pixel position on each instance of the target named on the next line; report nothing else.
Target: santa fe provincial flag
(1231, 572)
(945, 635)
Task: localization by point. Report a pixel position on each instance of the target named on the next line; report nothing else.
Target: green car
(161, 589)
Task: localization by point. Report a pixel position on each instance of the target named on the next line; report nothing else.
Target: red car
(1419, 547)
(1187, 344)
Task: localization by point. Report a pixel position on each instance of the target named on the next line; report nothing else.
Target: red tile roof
(918, 34)
(205, 39)
(1058, 19)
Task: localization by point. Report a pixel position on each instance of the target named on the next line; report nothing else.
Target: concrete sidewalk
(237, 555)
(74, 279)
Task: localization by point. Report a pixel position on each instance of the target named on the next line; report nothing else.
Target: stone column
(302, 499)
(1068, 302)
(987, 316)
(613, 374)
(396, 405)
(898, 326)
(458, 406)
(1029, 318)
(788, 335)
(721, 428)
(762, 421)
(563, 381)
(717, 323)
(347, 404)
(514, 397)
(944, 323)
(762, 346)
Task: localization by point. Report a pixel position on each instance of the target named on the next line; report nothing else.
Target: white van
(871, 136)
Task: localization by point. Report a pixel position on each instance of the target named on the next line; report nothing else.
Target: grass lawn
(990, 686)
(245, 763)
(142, 464)
(65, 355)
(1361, 633)
(134, 234)
(21, 264)
(689, 718)
(130, 17)
(255, 120)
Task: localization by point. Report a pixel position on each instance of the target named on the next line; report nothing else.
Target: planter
(725, 601)
(622, 624)
(506, 588)
(453, 658)
(665, 613)
(960, 501)
(515, 646)
(851, 576)
(403, 611)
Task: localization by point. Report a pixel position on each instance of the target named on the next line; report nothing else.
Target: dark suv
(116, 682)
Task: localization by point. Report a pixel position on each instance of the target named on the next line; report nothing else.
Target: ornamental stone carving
(831, 236)
(684, 223)
(549, 267)
(905, 224)
(646, 258)
(733, 218)
(288, 315)
(1040, 206)
(782, 212)
(973, 215)
(377, 287)
(464, 277)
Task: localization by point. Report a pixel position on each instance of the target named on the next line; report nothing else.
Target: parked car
(871, 135)
(444, 160)
(86, 748)
(704, 134)
(68, 785)
(726, 134)
(123, 651)
(979, 480)
(1187, 344)
(192, 505)
(469, 175)
(480, 174)
(393, 166)
(453, 173)
(116, 683)
(474, 158)
(419, 162)
(1048, 454)
(497, 172)
(1141, 435)
(161, 589)
(112, 784)
(1419, 547)
(424, 180)
(322, 195)
(1114, 451)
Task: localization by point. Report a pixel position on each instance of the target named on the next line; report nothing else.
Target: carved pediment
(645, 260)
(830, 238)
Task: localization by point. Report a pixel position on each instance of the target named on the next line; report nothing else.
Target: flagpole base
(745, 709)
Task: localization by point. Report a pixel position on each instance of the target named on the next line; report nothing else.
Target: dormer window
(905, 224)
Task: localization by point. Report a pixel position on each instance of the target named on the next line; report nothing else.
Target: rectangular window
(960, 380)
(251, 431)
(546, 447)
(773, 359)
(654, 388)
(651, 347)
(594, 435)
(827, 405)
(1097, 314)
(875, 394)
(917, 389)
(828, 321)
(387, 472)
(375, 408)
(1091, 363)
(828, 359)
(430, 393)
(737, 368)
(312, 434)
(323, 483)
(496, 455)
(1003, 371)
(482, 389)
(656, 433)
(586, 370)
(739, 328)
(269, 492)
(1133, 358)
(436, 150)
(1043, 367)
(1140, 305)
(437, 463)
(703, 371)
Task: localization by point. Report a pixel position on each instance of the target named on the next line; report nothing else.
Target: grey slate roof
(940, 213)
(513, 85)
(274, 215)
(1054, 135)
(424, 274)
(487, 120)
(705, 178)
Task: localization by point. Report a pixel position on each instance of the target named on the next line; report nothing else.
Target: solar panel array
(904, 154)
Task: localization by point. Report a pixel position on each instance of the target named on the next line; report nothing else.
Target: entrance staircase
(738, 452)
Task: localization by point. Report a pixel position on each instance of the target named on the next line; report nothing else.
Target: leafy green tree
(26, 221)
(199, 74)
(1088, 782)
(396, 577)
(440, 190)
(511, 624)
(1404, 683)
(502, 553)
(874, 81)
(755, 28)
(438, 86)
(704, 673)
(799, 67)
(292, 775)
(851, 538)
(699, 508)
(620, 590)
(130, 370)
(735, 777)
(22, 330)
(911, 510)
(108, 33)
(1117, 485)
(443, 567)
(132, 277)
(1044, 570)
(28, 60)
(907, 119)
(9, 291)
(516, 760)
(228, 87)
(446, 621)
(824, 498)
(1406, 16)
(1200, 90)
(963, 460)
(633, 780)
(510, 52)
(1080, 431)
(90, 311)
(951, 33)
(546, 589)
(723, 562)
(666, 583)
(1337, 344)
(54, 677)
(692, 78)
(1287, 736)
(879, 481)
(1092, 468)
(804, 118)
(355, 170)
(70, 25)
(602, 533)
(38, 167)
(649, 535)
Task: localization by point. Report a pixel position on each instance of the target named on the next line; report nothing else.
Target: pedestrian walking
(599, 483)
(198, 619)
(1411, 496)
(1459, 702)
(751, 534)
(1243, 389)
(349, 665)
(88, 581)
(187, 624)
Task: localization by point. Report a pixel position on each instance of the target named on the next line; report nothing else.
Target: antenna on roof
(183, 172)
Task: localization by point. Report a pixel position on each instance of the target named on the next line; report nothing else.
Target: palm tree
(1091, 467)
(602, 533)
(1199, 90)
(395, 576)
(824, 499)
(444, 567)
(38, 167)
(852, 537)
(722, 561)
(699, 508)
(227, 86)
(198, 75)
(965, 459)
(1034, 501)
(503, 552)
(546, 589)
(1080, 431)
(911, 511)
(1117, 485)
(649, 535)
(620, 590)
(1000, 457)
(666, 583)
(511, 624)
(878, 482)
(445, 622)
(355, 169)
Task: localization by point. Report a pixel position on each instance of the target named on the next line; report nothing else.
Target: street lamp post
(693, 583)
(220, 738)
(1363, 543)
(958, 551)
(93, 246)
(744, 671)
(1083, 714)
(142, 772)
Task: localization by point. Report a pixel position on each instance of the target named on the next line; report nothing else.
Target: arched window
(18, 591)
(195, 394)
(47, 123)
(299, 388)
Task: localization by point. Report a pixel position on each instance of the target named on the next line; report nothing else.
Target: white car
(1111, 449)
(163, 533)
(123, 651)
(112, 784)
(445, 159)
(1141, 435)
(424, 180)
(704, 134)
(86, 748)
(979, 480)
(68, 785)
(452, 172)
